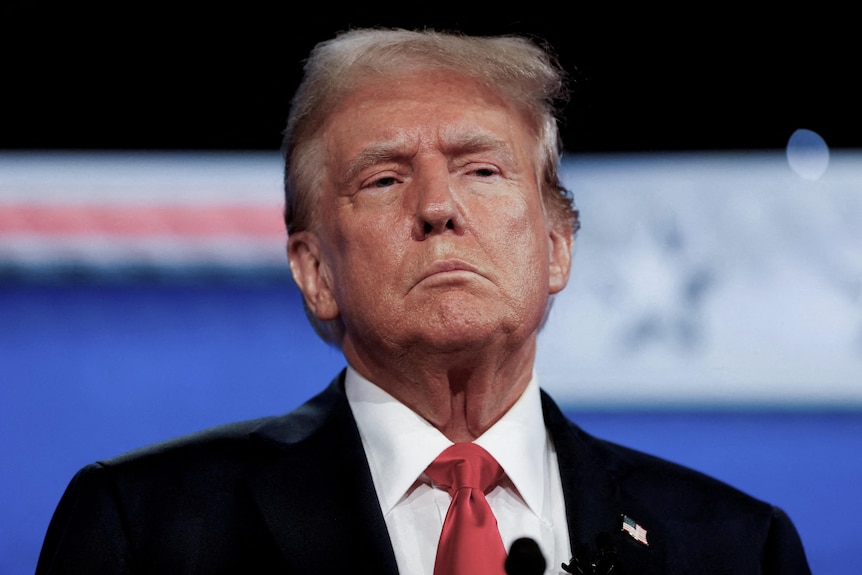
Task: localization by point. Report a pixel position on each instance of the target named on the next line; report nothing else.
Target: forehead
(428, 108)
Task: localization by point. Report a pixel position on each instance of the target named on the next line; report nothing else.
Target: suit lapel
(317, 497)
(594, 503)
(316, 493)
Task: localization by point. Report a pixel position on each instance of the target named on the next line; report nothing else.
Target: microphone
(605, 562)
(525, 558)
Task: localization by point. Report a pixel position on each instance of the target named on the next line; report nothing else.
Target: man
(428, 232)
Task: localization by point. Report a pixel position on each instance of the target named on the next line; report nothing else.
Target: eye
(384, 182)
(379, 183)
(484, 172)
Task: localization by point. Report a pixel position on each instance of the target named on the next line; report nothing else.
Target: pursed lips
(447, 266)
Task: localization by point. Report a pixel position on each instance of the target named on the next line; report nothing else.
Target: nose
(438, 210)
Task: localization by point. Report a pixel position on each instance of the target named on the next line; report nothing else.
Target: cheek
(371, 252)
(521, 233)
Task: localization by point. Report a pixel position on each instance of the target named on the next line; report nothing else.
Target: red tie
(470, 543)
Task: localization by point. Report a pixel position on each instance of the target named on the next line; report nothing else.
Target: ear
(559, 257)
(311, 274)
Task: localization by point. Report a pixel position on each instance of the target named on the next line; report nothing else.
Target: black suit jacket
(293, 494)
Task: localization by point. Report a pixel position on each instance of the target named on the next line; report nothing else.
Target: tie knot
(465, 465)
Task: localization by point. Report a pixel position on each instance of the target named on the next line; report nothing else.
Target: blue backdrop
(90, 370)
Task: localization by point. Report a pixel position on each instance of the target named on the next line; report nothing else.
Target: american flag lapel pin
(631, 527)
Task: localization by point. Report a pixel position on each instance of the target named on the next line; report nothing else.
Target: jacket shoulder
(237, 443)
(697, 522)
(683, 492)
(188, 504)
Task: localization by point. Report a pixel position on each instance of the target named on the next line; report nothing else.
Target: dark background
(711, 76)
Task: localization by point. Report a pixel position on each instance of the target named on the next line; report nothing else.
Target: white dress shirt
(399, 444)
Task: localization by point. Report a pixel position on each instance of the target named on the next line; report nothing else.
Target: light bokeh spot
(807, 154)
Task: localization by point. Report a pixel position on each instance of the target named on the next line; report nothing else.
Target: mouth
(449, 268)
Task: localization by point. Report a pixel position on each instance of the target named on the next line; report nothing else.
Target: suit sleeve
(86, 533)
(783, 551)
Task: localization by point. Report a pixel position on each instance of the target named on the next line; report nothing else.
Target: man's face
(430, 229)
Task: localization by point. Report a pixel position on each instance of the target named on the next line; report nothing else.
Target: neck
(462, 394)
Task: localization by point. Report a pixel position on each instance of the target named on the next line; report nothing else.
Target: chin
(457, 323)
(461, 333)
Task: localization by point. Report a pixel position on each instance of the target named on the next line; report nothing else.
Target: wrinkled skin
(432, 245)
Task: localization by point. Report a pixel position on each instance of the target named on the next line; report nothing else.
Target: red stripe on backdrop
(141, 220)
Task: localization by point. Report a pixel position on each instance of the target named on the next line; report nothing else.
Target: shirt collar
(400, 444)
(519, 443)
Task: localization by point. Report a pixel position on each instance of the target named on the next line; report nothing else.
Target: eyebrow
(375, 154)
(472, 143)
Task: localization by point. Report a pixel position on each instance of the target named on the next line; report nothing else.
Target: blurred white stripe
(717, 278)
